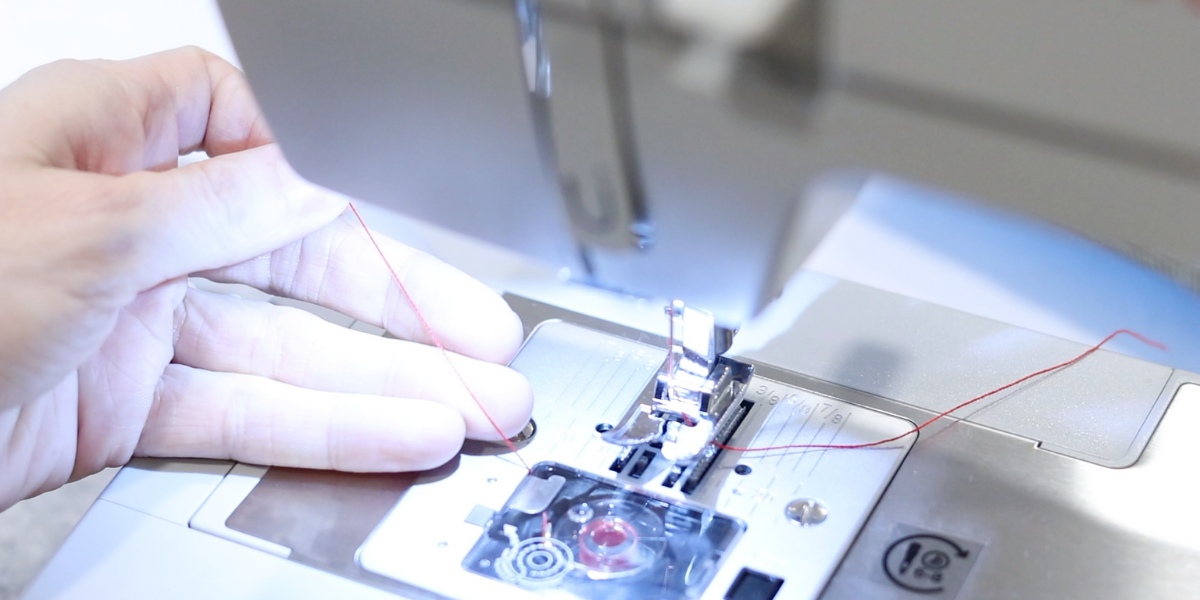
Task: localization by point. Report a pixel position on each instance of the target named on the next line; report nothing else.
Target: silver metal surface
(1040, 523)
(1049, 526)
(425, 106)
(710, 119)
(679, 390)
(639, 426)
(1035, 524)
(1102, 410)
(806, 512)
(688, 404)
(582, 378)
(282, 506)
(527, 432)
(420, 105)
(690, 357)
(586, 114)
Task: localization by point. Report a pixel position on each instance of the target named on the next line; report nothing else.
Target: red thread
(1087, 353)
(434, 338)
(511, 446)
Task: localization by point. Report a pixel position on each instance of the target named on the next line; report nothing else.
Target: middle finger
(225, 333)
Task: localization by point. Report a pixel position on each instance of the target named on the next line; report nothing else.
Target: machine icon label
(929, 563)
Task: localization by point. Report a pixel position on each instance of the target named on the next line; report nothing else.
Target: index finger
(213, 105)
(137, 114)
(338, 267)
(145, 228)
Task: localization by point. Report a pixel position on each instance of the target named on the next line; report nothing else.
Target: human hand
(107, 353)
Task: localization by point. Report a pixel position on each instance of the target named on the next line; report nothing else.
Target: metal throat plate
(801, 508)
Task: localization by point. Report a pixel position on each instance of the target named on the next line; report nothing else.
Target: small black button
(752, 585)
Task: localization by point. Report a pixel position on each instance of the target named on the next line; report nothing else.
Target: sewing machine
(698, 151)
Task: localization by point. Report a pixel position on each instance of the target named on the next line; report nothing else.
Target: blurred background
(899, 237)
